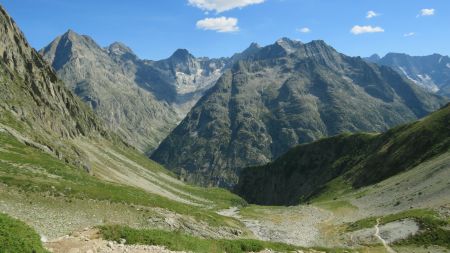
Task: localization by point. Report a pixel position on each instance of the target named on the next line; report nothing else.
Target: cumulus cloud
(426, 12)
(304, 30)
(372, 14)
(221, 24)
(222, 5)
(409, 34)
(366, 29)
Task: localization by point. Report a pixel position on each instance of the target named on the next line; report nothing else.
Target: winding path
(377, 235)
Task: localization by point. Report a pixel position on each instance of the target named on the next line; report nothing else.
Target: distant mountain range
(144, 100)
(281, 95)
(355, 161)
(431, 72)
(140, 100)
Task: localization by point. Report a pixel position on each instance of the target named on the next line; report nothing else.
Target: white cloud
(426, 12)
(409, 34)
(304, 30)
(221, 24)
(366, 29)
(372, 14)
(222, 5)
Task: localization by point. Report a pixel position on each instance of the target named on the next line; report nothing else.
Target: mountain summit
(281, 95)
(98, 77)
(138, 99)
(120, 49)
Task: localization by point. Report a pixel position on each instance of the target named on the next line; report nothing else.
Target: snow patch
(448, 65)
(407, 76)
(424, 81)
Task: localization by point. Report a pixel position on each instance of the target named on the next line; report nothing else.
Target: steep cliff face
(140, 100)
(431, 72)
(23, 69)
(357, 160)
(34, 100)
(110, 89)
(278, 96)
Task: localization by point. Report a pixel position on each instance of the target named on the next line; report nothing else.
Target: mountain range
(62, 169)
(140, 100)
(354, 160)
(74, 176)
(282, 95)
(431, 72)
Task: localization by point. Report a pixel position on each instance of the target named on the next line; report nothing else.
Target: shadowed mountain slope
(281, 95)
(359, 160)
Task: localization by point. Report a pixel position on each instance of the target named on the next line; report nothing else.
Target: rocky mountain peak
(250, 51)
(181, 55)
(77, 39)
(288, 45)
(287, 42)
(71, 34)
(320, 50)
(183, 61)
(72, 46)
(37, 93)
(373, 58)
(119, 49)
(254, 45)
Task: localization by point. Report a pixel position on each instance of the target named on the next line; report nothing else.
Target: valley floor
(323, 222)
(66, 206)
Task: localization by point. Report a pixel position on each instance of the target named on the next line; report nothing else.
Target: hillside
(282, 95)
(140, 100)
(358, 160)
(32, 95)
(71, 182)
(61, 170)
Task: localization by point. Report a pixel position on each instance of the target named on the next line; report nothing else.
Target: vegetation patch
(31, 170)
(181, 242)
(333, 190)
(221, 198)
(337, 206)
(416, 214)
(16, 236)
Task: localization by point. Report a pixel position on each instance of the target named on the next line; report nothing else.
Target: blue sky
(154, 29)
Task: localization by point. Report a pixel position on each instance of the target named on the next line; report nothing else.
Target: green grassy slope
(30, 170)
(359, 160)
(15, 236)
(54, 149)
(178, 241)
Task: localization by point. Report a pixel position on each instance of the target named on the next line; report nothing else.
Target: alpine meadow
(211, 126)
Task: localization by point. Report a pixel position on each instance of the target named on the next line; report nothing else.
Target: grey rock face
(34, 101)
(282, 95)
(110, 89)
(355, 160)
(138, 99)
(431, 72)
